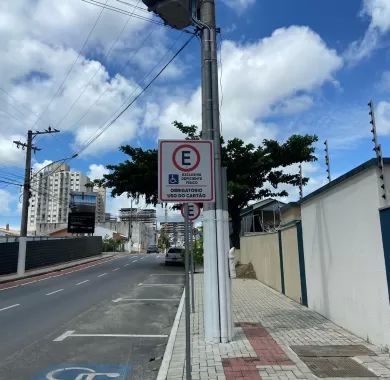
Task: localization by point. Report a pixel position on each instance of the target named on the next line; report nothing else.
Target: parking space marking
(145, 299)
(70, 334)
(82, 282)
(126, 265)
(10, 307)
(142, 284)
(101, 275)
(135, 261)
(55, 291)
(114, 270)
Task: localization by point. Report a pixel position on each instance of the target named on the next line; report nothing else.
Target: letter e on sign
(193, 211)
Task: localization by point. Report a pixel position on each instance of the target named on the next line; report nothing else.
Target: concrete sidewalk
(267, 325)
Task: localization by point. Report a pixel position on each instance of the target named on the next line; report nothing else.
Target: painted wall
(262, 250)
(345, 269)
(292, 281)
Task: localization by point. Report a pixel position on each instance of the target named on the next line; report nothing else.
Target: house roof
(263, 205)
(366, 165)
(9, 232)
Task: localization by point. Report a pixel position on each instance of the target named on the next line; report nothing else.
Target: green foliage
(253, 172)
(198, 248)
(163, 241)
(111, 245)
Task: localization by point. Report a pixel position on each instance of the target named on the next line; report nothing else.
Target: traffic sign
(186, 171)
(193, 211)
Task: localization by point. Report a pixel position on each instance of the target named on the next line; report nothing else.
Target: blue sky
(287, 67)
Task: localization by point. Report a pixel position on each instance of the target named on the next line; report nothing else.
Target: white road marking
(114, 270)
(69, 334)
(63, 274)
(166, 274)
(63, 336)
(126, 265)
(30, 282)
(101, 275)
(145, 299)
(82, 282)
(10, 307)
(56, 291)
(142, 284)
(135, 261)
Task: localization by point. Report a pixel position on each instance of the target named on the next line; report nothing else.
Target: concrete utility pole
(216, 247)
(28, 146)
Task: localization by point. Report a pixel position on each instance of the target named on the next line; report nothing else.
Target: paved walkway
(267, 324)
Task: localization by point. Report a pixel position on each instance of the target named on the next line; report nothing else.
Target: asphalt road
(110, 320)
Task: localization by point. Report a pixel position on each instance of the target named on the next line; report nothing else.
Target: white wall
(344, 259)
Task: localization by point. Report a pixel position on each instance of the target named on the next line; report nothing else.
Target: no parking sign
(186, 171)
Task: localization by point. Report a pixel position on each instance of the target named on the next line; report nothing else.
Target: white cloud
(259, 79)
(379, 13)
(384, 82)
(6, 201)
(239, 5)
(97, 171)
(383, 118)
(37, 166)
(10, 155)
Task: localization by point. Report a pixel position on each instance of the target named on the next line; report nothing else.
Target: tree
(253, 172)
(163, 241)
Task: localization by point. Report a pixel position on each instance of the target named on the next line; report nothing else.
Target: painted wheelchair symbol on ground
(75, 372)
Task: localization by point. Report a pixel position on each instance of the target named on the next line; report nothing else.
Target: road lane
(73, 297)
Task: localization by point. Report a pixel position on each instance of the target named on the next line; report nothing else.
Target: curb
(163, 372)
(52, 269)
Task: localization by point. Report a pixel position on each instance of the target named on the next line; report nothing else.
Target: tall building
(100, 213)
(50, 195)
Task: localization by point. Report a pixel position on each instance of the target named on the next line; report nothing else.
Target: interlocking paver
(266, 325)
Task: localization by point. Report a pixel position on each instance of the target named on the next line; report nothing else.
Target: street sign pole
(187, 292)
(192, 267)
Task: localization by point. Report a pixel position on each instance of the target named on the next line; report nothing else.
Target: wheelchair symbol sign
(88, 372)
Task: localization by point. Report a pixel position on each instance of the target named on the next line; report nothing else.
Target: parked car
(152, 249)
(175, 255)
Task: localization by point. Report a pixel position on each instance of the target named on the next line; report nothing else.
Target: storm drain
(333, 351)
(336, 367)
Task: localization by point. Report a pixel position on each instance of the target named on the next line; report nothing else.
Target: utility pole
(28, 146)
(327, 160)
(216, 246)
(378, 152)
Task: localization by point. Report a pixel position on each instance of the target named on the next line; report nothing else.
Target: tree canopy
(253, 172)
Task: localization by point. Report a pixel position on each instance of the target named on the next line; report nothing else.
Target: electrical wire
(11, 183)
(16, 101)
(142, 44)
(124, 12)
(106, 55)
(12, 116)
(143, 90)
(71, 67)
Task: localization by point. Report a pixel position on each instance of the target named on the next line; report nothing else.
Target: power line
(11, 183)
(16, 101)
(71, 67)
(105, 127)
(124, 12)
(107, 54)
(107, 88)
(12, 116)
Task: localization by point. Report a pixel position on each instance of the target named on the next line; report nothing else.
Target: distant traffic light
(175, 13)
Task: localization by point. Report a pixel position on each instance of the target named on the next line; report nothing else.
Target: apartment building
(50, 195)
